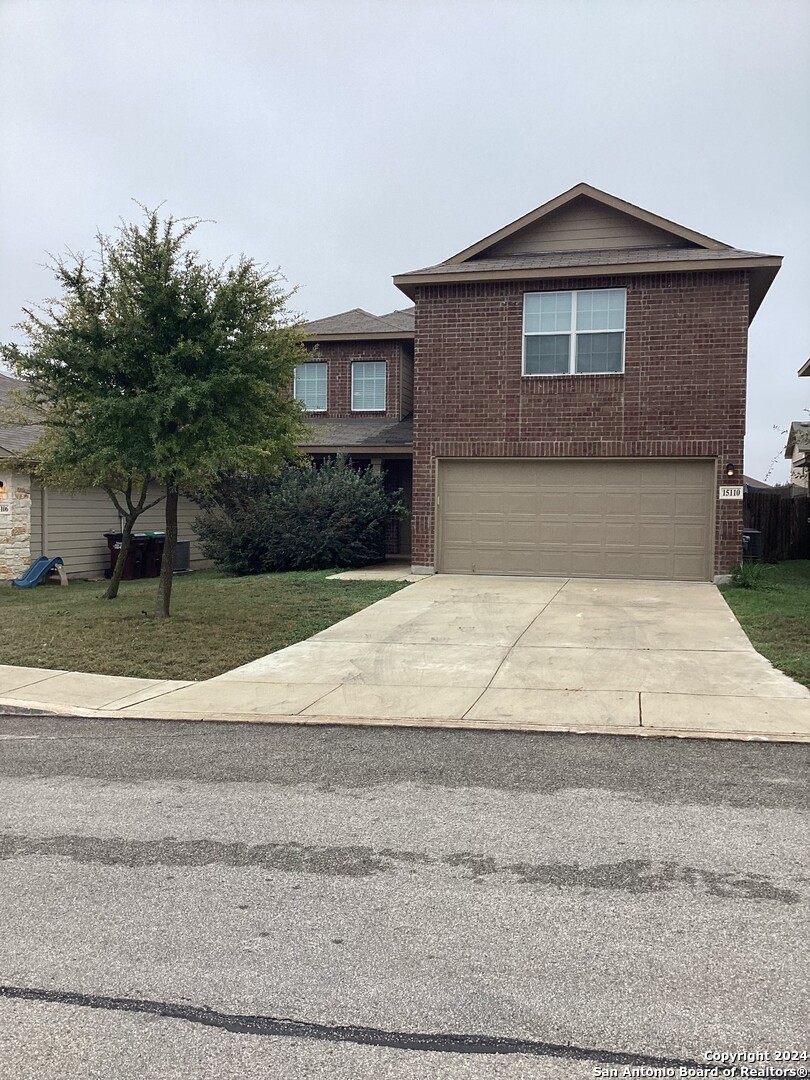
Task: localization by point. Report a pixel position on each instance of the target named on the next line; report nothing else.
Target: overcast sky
(345, 141)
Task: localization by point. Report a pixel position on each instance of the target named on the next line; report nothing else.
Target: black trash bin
(134, 563)
(752, 545)
(153, 557)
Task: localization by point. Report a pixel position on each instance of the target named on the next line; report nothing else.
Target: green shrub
(307, 518)
(750, 575)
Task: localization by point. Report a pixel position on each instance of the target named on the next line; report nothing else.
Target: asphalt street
(193, 900)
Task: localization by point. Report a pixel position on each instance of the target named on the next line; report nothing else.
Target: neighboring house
(37, 520)
(750, 484)
(579, 394)
(797, 452)
(358, 391)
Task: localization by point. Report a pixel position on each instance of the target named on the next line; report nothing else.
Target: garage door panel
(651, 536)
(648, 519)
(521, 532)
(620, 535)
(490, 560)
(655, 503)
(689, 538)
(691, 504)
(655, 566)
(587, 534)
(688, 567)
(551, 502)
(458, 530)
(491, 532)
(553, 533)
(588, 503)
(490, 502)
(459, 501)
(555, 562)
(622, 504)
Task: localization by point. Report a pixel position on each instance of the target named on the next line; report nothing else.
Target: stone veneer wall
(15, 523)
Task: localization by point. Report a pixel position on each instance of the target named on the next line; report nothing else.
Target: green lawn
(777, 618)
(218, 623)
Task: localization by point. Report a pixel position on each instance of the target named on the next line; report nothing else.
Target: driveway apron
(524, 653)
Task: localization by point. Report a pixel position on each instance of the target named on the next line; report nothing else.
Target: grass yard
(777, 618)
(218, 623)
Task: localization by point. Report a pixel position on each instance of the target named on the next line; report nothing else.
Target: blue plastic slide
(37, 571)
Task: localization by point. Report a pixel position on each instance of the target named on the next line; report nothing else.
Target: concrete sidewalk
(619, 657)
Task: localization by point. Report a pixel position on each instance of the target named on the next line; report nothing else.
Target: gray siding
(77, 521)
(584, 227)
(36, 520)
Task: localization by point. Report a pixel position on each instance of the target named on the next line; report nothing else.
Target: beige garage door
(623, 519)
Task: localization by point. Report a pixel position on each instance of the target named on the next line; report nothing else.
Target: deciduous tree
(155, 366)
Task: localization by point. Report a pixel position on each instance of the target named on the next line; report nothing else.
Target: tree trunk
(115, 580)
(164, 596)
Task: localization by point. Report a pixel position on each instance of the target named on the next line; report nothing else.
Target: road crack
(435, 1042)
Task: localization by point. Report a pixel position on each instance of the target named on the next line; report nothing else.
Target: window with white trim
(574, 333)
(310, 386)
(368, 386)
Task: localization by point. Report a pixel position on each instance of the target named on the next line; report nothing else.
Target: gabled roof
(14, 438)
(358, 324)
(585, 229)
(805, 368)
(677, 232)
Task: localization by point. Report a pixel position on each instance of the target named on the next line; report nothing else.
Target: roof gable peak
(585, 218)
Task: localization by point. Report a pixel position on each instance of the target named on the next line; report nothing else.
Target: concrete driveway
(617, 656)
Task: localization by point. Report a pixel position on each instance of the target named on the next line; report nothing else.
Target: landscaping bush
(750, 575)
(306, 518)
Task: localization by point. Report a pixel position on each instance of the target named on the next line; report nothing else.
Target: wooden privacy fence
(783, 522)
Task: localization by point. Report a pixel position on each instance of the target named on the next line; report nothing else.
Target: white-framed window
(368, 385)
(574, 333)
(310, 386)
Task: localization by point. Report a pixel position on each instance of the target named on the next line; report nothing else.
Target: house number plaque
(731, 492)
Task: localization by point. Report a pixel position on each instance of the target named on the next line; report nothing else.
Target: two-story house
(579, 391)
(357, 389)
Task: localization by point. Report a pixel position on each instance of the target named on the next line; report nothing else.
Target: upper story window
(368, 386)
(574, 333)
(310, 386)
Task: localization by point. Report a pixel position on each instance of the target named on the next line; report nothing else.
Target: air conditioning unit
(182, 556)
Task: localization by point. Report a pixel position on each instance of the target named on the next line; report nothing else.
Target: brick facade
(682, 393)
(338, 355)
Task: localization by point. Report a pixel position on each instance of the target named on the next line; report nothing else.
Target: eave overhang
(763, 271)
(358, 451)
(401, 335)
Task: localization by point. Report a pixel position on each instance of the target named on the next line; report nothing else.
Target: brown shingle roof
(548, 260)
(359, 432)
(14, 438)
(360, 323)
(403, 319)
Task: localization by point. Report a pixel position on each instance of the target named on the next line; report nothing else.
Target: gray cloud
(348, 141)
